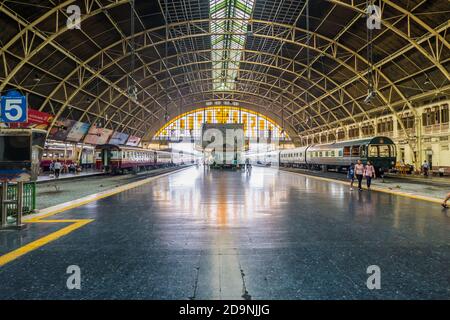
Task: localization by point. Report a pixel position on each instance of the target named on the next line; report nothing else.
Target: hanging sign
(13, 108)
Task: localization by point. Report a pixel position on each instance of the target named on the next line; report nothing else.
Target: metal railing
(29, 198)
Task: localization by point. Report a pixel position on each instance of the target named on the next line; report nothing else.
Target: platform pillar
(4, 211)
(19, 223)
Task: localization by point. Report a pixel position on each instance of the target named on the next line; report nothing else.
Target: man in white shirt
(57, 167)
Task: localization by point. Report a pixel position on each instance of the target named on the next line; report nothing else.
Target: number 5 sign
(13, 108)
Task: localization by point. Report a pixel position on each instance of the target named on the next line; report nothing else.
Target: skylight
(228, 39)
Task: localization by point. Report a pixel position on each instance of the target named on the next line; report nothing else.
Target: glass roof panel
(228, 40)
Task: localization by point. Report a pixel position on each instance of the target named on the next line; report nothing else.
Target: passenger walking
(444, 204)
(52, 167)
(351, 175)
(57, 166)
(369, 173)
(359, 172)
(425, 168)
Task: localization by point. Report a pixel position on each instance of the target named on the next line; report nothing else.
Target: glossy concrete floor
(225, 235)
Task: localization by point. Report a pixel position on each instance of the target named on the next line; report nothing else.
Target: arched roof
(310, 76)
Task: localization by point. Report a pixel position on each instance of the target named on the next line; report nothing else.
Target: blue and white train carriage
(380, 151)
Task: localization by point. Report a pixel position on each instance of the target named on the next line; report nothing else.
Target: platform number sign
(13, 108)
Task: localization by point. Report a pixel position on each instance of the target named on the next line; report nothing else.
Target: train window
(333, 153)
(355, 151)
(327, 154)
(373, 151)
(346, 151)
(384, 151)
(340, 153)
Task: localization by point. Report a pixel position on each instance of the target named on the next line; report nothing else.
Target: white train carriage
(293, 157)
(380, 151)
(164, 158)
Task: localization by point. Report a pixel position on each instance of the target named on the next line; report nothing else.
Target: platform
(68, 176)
(205, 234)
(432, 190)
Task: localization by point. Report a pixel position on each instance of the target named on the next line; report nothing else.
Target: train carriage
(293, 157)
(380, 151)
(119, 159)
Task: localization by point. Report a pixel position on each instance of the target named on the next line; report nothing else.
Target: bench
(441, 171)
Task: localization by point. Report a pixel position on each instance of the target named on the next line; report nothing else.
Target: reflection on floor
(203, 234)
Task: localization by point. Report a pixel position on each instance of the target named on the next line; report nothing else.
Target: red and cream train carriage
(118, 159)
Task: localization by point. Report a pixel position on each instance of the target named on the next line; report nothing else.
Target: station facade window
(341, 135)
(190, 124)
(435, 115)
(385, 125)
(368, 130)
(353, 133)
(408, 121)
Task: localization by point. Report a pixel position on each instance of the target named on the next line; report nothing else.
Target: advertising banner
(118, 138)
(133, 141)
(61, 129)
(35, 119)
(98, 135)
(78, 131)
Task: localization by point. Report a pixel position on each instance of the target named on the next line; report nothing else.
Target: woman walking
(369, 172)
(351, 175)
(359, 172)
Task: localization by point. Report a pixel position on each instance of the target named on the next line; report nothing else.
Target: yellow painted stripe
(75, 223)
(42, 241)
(374, 188)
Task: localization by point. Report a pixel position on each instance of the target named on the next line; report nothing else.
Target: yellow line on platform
(94, 197)
(42, 241)
(374, 188)
(75, 223)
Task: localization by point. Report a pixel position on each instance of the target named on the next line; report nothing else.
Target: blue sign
(13, 108)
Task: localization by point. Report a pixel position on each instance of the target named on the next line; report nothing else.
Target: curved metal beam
(117, 3)
(293, 29)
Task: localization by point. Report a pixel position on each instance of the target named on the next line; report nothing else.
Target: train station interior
(224, 150)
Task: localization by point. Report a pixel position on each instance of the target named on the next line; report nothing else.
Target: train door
(106, 159)
(363, 152)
